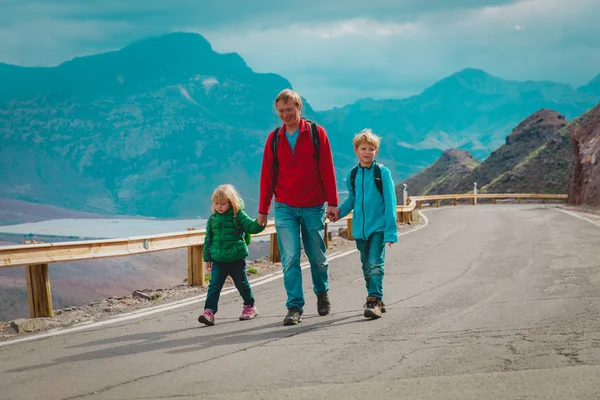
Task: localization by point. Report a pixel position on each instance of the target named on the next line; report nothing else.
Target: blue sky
(336, 51)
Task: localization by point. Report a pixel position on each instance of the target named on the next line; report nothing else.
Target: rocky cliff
(584, 185)
(535, 158)
(441, 176)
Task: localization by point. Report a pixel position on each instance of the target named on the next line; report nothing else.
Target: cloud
(111, 24)
(334, 51)
(404, 57)
(359, 27)
(227, 13)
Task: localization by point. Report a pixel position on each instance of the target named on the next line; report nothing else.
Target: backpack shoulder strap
(353, 173)
(275, 143)
(236, 222)
(275, 167)
(377, 177)
(314, 134)
(239, 229)
(211, 221)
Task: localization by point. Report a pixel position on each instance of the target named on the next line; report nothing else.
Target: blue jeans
(237, 271)
(289, 223)
(372, 257)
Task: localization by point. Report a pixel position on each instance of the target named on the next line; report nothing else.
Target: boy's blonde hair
(366, 136)
(288, 94)
(229, 194)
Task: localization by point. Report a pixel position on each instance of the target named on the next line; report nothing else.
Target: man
(298, 169)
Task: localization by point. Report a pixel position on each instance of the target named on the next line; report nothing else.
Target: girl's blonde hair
(230, 195)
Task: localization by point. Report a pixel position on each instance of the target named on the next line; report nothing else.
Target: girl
(225, 251)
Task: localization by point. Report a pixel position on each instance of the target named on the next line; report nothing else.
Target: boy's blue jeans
(237, 271)
(289, 223)
(372, 256)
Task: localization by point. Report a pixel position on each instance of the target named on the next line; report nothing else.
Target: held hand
(262, 219)
(331, 213)
(390, 244)
(209, 266)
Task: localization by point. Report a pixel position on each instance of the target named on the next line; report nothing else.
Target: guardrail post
(404, 217)
(437, 203)
(349, 229)
(195, 265)
(493, 200)
(419, 204)
(518, 200)
(39, 291)
(454, 201)
(274, 253)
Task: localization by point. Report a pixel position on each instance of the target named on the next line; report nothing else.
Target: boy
(372, 196)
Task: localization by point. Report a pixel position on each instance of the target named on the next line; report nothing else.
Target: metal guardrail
(42, 253)
(36, 256)
(493, 196)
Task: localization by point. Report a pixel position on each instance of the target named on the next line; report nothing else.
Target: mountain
(523, 163)
(584, 183)
(151, 129)
(593, 87)
(442, 175)
(536, 157)
(147, 130)
(470, 110)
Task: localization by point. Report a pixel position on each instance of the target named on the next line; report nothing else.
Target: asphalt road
(484, 302)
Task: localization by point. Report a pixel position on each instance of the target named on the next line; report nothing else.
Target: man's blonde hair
(366, 136)
(288, 94)
(227, 193)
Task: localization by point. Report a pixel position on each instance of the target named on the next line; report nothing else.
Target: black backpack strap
(353, 173)
(377, 176)
(274, 145)
(239, 229)
(314, 134)
(212, 226)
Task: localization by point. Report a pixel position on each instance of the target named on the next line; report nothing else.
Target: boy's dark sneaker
(381, 306)
(293, 317)
(323, 304)
(372, 308)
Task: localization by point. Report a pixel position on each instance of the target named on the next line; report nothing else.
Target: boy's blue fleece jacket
(372, 211)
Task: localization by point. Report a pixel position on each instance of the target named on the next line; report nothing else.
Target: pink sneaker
(207, 317)
(248, 312)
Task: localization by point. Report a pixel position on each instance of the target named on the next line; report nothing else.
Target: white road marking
(579, 216)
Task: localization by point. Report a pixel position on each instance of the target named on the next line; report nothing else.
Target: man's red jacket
(301, 180)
